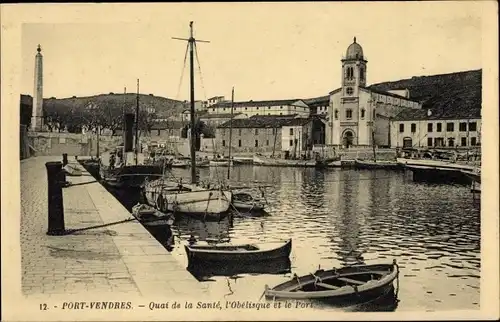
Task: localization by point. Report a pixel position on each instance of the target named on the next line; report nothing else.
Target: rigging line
(199, 70)
(182, 73)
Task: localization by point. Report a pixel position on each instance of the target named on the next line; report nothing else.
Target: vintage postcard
(250, 161)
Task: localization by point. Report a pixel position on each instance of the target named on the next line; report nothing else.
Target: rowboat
(149, 216)
(380, 164)
(277, 162)
(221, 163)
(339, 286)
(237, 253)
(176, 163)
(170, 196)
(244, 201)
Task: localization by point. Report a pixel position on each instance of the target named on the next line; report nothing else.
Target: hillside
(163, 106)
(109, 105)
(454, 95)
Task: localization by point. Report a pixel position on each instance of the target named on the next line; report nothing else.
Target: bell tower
(353, 70)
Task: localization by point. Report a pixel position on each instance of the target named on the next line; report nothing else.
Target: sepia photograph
(250, 161)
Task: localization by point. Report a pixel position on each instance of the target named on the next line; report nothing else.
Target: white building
(252, 108)
(359, 115)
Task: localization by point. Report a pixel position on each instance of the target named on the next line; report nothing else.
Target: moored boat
(150, 216)
(237, 253)
(378, 164)
(277, 162)
(246, 202)
(169, 196)
(343, 286)
(221, 163)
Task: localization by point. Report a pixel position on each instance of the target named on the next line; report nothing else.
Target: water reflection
(209, 231)
(340, 217)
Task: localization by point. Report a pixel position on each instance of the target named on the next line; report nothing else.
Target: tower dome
(354, 51)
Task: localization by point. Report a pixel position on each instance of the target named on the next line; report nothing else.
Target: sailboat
(168, 195)
(126, 167)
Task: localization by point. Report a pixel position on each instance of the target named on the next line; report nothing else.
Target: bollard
(55, 176)
(65, 159)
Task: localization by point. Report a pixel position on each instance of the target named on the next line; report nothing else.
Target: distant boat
(379, 164)
(277, 162)
(343, 286)
(221, 163)
(238, 253)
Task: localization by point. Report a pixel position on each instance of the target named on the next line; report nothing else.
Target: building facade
(256, 108)
(359, 115)
(412, 130)
(265, 134)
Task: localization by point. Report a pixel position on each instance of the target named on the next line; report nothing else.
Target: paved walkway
(122, 258)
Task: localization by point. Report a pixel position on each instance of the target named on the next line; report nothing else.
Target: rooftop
(221, 116)
(266, 121)
(257, 103)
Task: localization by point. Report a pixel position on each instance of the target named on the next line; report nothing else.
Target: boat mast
(137, 124)
(230, 132)
(192, 44)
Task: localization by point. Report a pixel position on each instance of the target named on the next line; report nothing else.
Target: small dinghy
(149, 216)
(244, 201)
(344, 286)
(237, 253)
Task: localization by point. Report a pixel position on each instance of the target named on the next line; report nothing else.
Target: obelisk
(37, 114)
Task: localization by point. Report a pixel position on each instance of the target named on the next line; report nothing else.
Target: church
(359, 115)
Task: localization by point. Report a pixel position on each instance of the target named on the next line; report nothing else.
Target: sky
(265, 50)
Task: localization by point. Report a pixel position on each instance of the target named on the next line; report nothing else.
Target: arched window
(363, 113)
(361, 73)
(348, 113)
(336, 114)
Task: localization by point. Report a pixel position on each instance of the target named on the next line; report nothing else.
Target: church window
(361, 73)
(348, 113)
(349, 91)
(336, 114)
(374, 114)
(363, 113)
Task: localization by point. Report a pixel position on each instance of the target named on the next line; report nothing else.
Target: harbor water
(338, 217)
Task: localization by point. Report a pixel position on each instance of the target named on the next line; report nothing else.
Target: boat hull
(271, 162)
(347, 292)
(129, 176)
(225, 163)
(169, 197)
(197, 254)
(369, 165)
